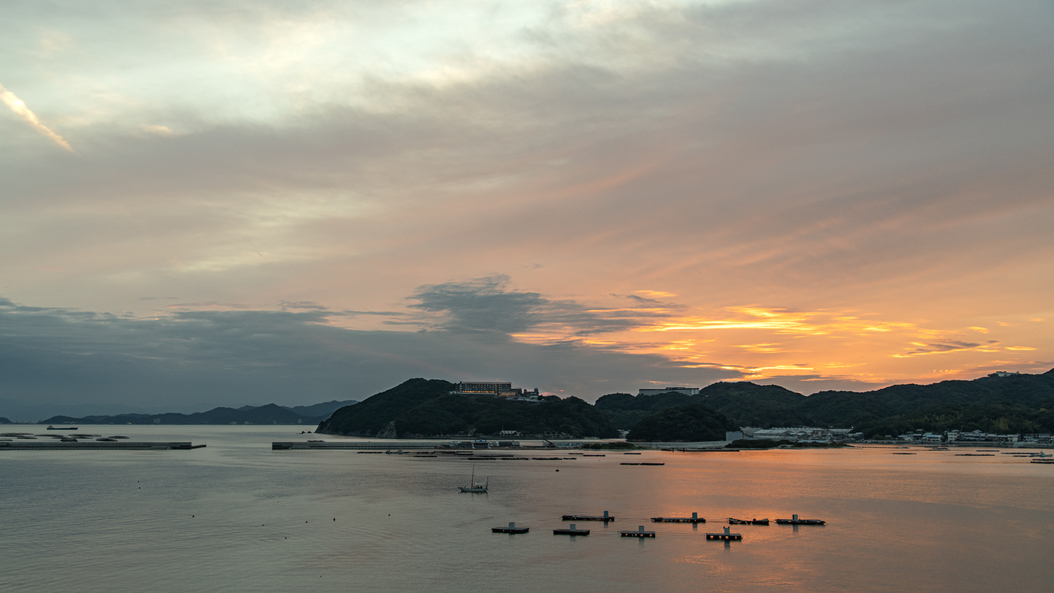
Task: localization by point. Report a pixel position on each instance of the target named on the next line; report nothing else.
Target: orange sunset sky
(229, 202)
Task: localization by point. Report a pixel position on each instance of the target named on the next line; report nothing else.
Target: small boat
(50, 427)
(474, 486)
(732, 521)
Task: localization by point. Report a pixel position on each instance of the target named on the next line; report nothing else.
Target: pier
(510, 529)
(639, 533)
(797, 521)
(54, 445)
(727, 536)
(353, 445)
(571, 531)
(695, 518)
(605, 518)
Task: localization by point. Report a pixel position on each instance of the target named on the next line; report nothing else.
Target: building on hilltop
(684, 390)
(464, 388)
(495, 389)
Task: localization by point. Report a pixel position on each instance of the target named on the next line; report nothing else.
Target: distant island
(268, 414)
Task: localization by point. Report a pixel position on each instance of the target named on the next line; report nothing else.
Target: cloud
(486, 304)
(194, 359)
(20, 109)
(948, 346)
(771, 168)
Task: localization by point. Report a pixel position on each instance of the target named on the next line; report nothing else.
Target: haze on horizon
(241, 202)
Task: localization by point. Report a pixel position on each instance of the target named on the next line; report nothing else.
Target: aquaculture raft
(571, 531)
(604, 518)
(639, 533)
(797, 521)
(510, 529)
(732, 521)
(726, 536)
(695, 518)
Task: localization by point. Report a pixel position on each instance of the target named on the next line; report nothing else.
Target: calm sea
(237, 516)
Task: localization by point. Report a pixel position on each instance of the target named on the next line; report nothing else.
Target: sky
(241, 202)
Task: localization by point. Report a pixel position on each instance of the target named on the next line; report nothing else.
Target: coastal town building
(496, 389)
(801, 433)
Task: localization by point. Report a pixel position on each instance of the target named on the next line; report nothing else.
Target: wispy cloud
(19, 107)
(780, 321)
(948, 346)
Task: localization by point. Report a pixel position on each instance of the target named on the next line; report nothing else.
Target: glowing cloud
(20, 109)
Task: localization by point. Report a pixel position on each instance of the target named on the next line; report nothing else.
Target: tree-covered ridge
(625, 411)
(1008, 404)
(425, 408)
(267, 414)
(690, 423)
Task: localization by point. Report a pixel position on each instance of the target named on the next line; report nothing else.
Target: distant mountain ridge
(267, 414)
(1007, 404)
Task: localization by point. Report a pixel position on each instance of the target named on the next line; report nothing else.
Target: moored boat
(474, 486)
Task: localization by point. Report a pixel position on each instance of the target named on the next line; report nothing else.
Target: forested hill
(690, 423)
(427, 408)
(268, 414)
(1015, 403)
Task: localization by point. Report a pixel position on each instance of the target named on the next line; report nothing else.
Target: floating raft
(639, 533)
(510, 529)
(605, 518)
(726, 536)
(732, 521)
(68, 444)
(695, 518)
(797, 521)
(571, 531)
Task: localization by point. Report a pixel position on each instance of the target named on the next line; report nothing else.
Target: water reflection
(264, 520)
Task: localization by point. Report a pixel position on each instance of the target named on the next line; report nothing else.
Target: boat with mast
(474, 486)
